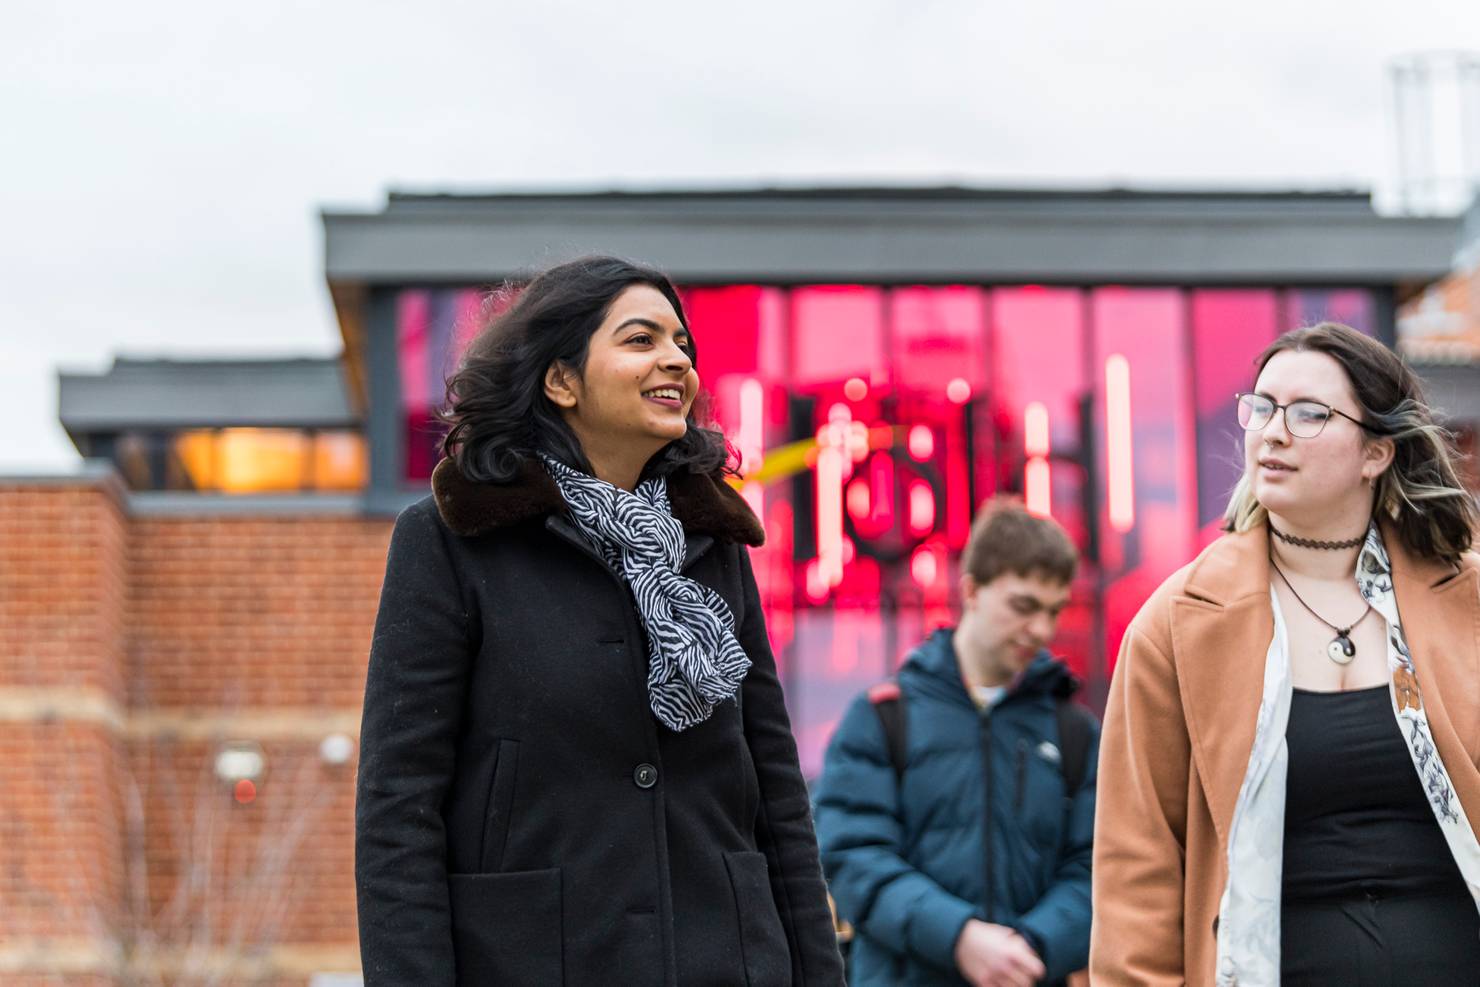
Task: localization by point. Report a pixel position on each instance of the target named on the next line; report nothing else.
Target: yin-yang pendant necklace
(1341, 649)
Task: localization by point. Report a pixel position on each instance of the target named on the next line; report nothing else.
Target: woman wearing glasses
(1289, 791)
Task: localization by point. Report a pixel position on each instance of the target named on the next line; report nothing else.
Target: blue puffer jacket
(909, 867)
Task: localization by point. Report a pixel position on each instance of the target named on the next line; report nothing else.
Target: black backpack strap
(1076, 732)
(888, 705)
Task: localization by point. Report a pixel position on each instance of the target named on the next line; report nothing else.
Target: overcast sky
(163, 164)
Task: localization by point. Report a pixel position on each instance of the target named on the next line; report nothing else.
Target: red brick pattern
(134, 648)
(251, 612)
(62, 585)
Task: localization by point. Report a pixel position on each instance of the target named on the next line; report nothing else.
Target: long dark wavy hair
(498, 413)
(1421, 492)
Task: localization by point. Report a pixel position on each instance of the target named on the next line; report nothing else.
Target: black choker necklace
(1329, 546)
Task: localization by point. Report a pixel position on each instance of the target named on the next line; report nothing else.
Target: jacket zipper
(989, 903)
(1022, 773)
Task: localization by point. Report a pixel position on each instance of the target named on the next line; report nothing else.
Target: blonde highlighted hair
(1420, 492)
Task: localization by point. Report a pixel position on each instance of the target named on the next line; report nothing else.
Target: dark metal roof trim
(176, 394)
(929, 235)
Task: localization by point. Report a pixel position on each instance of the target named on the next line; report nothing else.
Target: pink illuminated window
(955, 392)
(1145, 424)
(738, 329)
(938, 335)
(1230, 327)
(1039, 362)
(1039, 381)
(837, 332)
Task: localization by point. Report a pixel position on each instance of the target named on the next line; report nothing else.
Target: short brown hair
(1006, 538)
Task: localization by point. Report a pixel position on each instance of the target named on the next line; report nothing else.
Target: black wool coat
(521, 817)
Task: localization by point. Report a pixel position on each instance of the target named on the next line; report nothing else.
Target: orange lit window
(271, 460)
(339, 461)
(260, 460)
(196, 452)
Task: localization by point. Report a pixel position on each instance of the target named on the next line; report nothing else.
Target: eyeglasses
(1304, 419)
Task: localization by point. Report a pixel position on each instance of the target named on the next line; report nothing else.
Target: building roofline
(178, 393)
(895, 234)
(874, 192)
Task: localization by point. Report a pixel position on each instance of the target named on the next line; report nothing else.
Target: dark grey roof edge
(173, 393)
(128, 361)
(875, 191)
(904, 236)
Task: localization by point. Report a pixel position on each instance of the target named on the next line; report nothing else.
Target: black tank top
(1357, 821)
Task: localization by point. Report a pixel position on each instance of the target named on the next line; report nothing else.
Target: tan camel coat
(1179, 727)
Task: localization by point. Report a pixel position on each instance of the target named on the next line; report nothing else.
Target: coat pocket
(506, 928)
(500, 807)
(762, 942)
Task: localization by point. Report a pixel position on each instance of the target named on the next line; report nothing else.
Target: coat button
(645, 775)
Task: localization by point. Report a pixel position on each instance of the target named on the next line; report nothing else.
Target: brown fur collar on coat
(704, 504)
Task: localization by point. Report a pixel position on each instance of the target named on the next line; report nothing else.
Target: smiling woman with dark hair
(576, 763)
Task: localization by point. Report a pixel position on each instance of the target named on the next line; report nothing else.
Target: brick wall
(135, 647)
(1443, 322)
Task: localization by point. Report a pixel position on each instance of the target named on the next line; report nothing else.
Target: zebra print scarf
(694, 661)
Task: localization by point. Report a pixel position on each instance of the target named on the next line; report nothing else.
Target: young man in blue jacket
(956, 809)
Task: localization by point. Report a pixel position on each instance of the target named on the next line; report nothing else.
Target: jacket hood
(704, 504)
(933, 666)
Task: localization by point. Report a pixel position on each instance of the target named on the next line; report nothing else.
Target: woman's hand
(995, 956)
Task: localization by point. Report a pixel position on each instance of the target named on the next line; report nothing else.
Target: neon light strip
(830, 514)
(1035, 429)
(1038, 492)
(921, 509)
(751, 435)
(1037, 476)
(1119, 454)
(755, 496)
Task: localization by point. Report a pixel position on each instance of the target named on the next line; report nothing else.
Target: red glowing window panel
(1039, 362)
(1144, 423)
(1038, 339)
(738, 329)
(1141, 353)
(1038, 381)
(938, 335)
(837, 332)
(1230, 327)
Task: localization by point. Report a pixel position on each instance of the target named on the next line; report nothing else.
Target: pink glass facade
(1109, 407)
